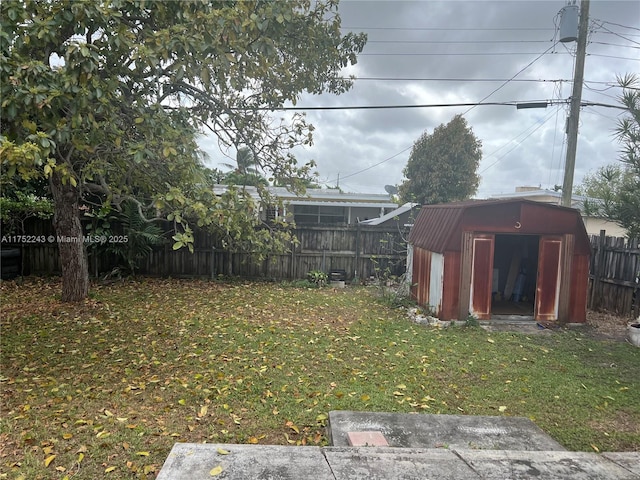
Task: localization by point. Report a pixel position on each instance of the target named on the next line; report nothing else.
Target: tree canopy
(442, 166)
(106, 99)
(617, 186)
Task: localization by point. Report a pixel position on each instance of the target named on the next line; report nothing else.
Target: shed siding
(435, 281)
(420, 275)
(481, 273)
(549, 272)
(450, 286)
(458, 248)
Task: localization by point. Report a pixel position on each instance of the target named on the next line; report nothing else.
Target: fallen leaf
(143, 454)
(48, 460)
(502, 408)
(253, 440)
(109, 469)
(490, 340)
(67, 436)
(222, 451)
(215, 471)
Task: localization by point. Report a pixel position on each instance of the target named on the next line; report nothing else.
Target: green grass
(111, 384)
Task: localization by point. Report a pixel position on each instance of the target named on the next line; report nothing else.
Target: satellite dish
(391, 189)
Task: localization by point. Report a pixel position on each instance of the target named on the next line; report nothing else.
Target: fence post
(599, 271)
(213, 263)
(356, 280)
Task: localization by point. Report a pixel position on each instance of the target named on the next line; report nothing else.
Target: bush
(318, 278)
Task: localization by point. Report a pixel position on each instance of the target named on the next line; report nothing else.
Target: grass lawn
(111, 384)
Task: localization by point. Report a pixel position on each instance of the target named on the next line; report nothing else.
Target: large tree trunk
(73, 256)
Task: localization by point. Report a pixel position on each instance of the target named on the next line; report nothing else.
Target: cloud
(447, 51)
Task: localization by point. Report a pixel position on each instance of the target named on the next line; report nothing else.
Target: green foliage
(138, 237)
(443, 165)
(471, 321)
(106, 99)
(616, 188)
(318, 278)
(246, 172)
(392, 286)
(15, 211)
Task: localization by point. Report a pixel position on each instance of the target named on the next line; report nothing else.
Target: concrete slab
(388, 463)
(188, 461)
(628, 460)
(191, 461)
(366, 439)
(434, 431)
(500, 465)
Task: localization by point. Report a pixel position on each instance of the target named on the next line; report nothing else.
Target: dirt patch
(607, 326)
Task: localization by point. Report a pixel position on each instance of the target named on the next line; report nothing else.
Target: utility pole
(576, 98)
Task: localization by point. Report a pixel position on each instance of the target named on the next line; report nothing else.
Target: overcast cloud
(421, 42)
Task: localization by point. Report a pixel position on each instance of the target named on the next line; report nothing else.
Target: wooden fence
(359, 251)
(614, 275)
(356, 250)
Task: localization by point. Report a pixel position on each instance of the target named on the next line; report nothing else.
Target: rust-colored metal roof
(439, 228)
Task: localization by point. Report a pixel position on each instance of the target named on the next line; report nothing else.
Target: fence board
(356, 250)
(614, 275)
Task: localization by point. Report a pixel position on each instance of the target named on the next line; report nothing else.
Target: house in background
(500, 258)
(592, 224)
(319, 206)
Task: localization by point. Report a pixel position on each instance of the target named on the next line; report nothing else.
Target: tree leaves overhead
(442, 165)
(106, 99)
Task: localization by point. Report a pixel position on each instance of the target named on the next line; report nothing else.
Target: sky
(448, 52)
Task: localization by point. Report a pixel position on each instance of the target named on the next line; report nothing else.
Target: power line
(538, 126)
(618, 35)
(422, 79)
(612, 56)
(374, 165)
(614, 45)
(619, 25)
(511, 103)
(514, 76)
(437, 29)
(489, 80)
(472, 54)
(438, 42)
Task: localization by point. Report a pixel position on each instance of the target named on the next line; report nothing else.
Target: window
(316, 214)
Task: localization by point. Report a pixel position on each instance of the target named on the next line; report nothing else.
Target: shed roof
(439, 228)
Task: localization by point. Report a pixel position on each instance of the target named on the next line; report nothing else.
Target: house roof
(320, 196)
(391, 215)
(545, 196)
(439, 228)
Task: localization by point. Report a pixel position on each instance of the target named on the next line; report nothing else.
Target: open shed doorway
(515, 272)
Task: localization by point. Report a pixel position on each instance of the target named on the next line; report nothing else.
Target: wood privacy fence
(358, 251)
(614, 271)
(614, 275)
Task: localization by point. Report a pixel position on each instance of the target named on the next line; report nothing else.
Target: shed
(497, 259)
